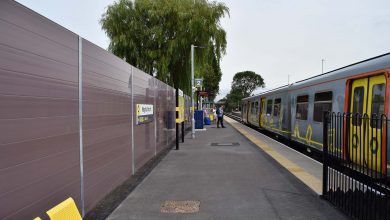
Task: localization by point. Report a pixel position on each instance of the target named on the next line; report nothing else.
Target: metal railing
(355, 164)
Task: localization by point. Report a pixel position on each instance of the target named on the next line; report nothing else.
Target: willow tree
(156, 36)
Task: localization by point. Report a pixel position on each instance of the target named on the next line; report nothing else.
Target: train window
(269, 106)
(378, 103)
(322, 102)
(358, 99)
(257, 107)
(253, 111)
(302, 105)
(277, 106)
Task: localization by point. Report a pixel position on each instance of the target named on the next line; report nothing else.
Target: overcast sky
(274, 38)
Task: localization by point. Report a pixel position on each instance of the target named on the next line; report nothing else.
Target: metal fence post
(155, 87)
(325, 154)
(80, 73)
(182, 132)
(132, 123)
(166, 116)
(177, 116)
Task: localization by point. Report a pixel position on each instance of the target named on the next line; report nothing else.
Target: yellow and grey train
(295, 111)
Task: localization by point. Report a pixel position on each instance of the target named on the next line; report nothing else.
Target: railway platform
(225, 174)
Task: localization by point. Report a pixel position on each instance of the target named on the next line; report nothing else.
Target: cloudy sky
(274, 38)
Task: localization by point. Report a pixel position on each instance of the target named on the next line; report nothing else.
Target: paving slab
(230, 181)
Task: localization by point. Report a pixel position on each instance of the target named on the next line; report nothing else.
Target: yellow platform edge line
(311, 181)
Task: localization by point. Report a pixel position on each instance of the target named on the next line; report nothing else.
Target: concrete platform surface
(230, 182)
(306, 169)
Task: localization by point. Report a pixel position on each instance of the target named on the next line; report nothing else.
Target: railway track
(235, 117)
(306, 150)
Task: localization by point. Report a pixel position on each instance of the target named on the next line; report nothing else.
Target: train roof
(368, 65)
(278, 89)
(374, 63)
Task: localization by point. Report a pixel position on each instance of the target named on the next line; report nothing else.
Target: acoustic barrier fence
(75, 120)
(356, 164)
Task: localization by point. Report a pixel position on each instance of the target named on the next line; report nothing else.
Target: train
(355, 96)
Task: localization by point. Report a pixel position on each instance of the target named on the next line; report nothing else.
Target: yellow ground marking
(311, 181)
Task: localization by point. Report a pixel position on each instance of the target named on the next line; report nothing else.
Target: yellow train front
(357, 97)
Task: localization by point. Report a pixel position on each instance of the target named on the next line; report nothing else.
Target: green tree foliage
(244, 83)
(156, 36)
(233, 100)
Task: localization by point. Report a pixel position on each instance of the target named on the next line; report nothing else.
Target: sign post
(199, 84)
(182, 132)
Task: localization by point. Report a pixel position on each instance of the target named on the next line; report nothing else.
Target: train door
(367, 99)
(262, 112)
(276, 114)
(258, 103)
(248, 111)
(255, 113)
(243, 111)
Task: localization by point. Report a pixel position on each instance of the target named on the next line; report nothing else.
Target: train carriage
(275, 115)
(356, 92)
(250, 110)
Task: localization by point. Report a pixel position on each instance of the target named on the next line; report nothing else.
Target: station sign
(144, 113)
(199, 82)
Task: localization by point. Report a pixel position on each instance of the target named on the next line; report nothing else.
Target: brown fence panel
(171, 112)
(161, 109)
(144, 138)
(106, 122)
(40, 117)
(39, 151)
(188, 116)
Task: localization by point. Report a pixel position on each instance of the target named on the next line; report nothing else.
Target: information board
(144, 113)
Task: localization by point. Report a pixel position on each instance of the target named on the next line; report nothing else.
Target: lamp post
(193, 88)
(192, 91)
(200, 97)
(322, 66)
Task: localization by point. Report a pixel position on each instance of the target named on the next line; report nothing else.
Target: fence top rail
(356, 115)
